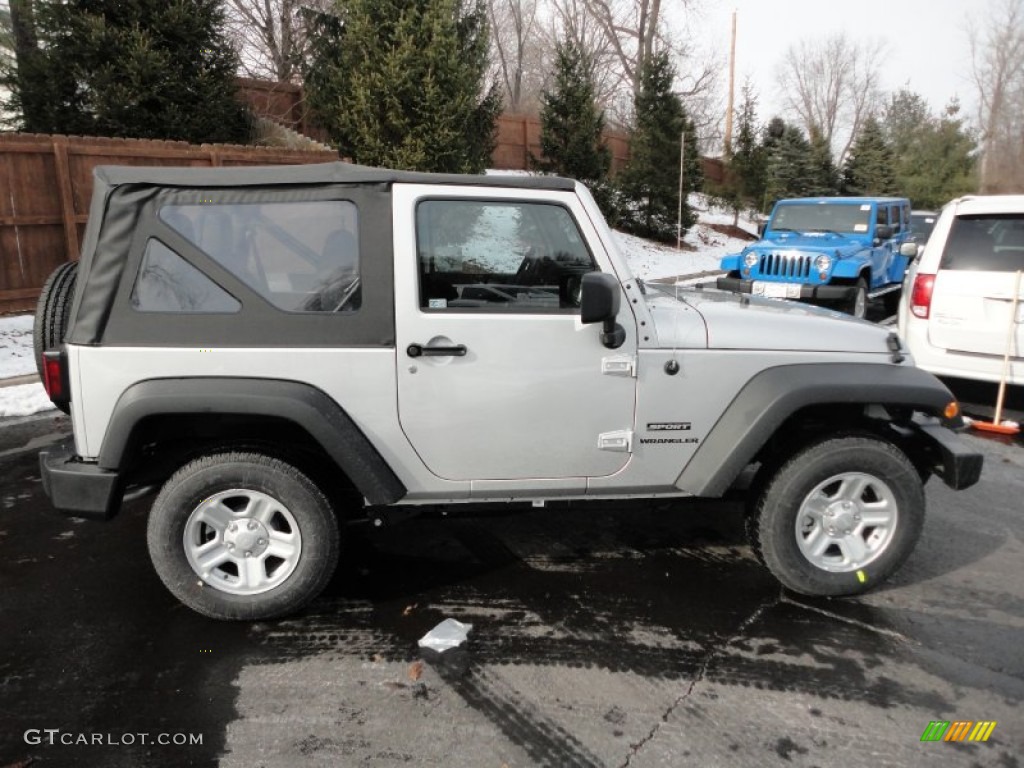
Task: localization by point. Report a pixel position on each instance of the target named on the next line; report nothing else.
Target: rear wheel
(839, 516)
(243, 536)
(53, 311)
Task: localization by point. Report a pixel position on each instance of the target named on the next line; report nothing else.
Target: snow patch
(17, 357)
(23, 400)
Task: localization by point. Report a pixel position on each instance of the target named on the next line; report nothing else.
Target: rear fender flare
(306, 406)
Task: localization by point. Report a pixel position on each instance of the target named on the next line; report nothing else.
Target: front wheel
(857, 305)
(839, 516)
(242, 536)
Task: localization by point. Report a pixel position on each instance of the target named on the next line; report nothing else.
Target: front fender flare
(773, 395)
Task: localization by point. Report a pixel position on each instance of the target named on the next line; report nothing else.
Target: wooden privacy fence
(519, 139)
(46, 187)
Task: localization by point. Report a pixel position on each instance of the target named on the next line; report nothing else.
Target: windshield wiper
(825, 231)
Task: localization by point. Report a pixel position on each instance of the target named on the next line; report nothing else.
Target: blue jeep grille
(785, 265)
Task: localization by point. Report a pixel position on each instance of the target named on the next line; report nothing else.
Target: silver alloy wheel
(242, 542)
(846, 522)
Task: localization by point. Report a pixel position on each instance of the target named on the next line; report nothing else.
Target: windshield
(810, 217)
(921, 225)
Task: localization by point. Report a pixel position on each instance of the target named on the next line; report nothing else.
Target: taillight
(921, 296)
(55, 379)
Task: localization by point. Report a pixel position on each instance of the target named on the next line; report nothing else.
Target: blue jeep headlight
(750, 259)
(823, 263)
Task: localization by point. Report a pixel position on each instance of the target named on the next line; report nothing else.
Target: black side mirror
(883, 232)
(599, 303)
(761, 228)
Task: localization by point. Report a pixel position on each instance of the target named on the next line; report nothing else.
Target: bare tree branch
(270, 35)
(997, 68)
(832, 85)
(516, 43)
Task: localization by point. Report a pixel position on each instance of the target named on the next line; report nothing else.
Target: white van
(955, 311)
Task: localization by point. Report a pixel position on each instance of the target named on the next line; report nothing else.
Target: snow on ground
(16, 355)
(702, 250)
(23, 400)
(17, 358)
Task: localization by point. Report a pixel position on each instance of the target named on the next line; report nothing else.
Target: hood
(809, 242)
(734, 322)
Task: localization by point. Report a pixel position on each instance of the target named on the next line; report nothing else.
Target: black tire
(891, 302)
(242, 472)
(53, 310)
(857, 305)
(772, 526)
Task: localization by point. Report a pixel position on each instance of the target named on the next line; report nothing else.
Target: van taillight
(55, 379)
(921, 296)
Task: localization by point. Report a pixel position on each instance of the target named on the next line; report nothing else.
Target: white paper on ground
(448, 634)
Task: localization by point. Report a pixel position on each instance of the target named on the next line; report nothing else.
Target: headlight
(750, 259)
(822, 263)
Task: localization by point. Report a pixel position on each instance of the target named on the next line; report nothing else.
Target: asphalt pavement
(639, 634)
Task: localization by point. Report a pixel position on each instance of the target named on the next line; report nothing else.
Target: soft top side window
(301, 256)
(499, 256)
(168, 283)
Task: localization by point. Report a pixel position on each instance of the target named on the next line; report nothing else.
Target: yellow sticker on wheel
(861, 576)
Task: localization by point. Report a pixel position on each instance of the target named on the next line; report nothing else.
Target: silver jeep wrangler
(276, 349)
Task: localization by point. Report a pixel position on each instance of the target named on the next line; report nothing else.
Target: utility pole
(679, 215)
(732, 89)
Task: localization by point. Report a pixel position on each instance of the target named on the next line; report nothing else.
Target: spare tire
(53, 312)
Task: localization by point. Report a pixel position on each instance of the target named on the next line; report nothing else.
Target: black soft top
(312, 173)
(123, 214)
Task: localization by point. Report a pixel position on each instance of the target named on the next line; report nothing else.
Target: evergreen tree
(748, 164)
(155, 69)
(825, 177)
(934, 155)
(401, 84)
(790, 170)
(649, 185)
(870, 168)
(902, 120)
(570, 122)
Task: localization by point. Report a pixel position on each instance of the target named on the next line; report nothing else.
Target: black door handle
(417, 350)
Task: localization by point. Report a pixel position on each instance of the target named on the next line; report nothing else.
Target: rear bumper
(952, 460)
(76, 488)
(807, 292)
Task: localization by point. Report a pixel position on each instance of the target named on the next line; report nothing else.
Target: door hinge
(620, 441)
(619, 365)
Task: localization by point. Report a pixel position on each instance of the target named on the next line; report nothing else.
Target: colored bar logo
(958, 730)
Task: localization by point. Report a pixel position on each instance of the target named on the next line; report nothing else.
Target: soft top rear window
(985, 242)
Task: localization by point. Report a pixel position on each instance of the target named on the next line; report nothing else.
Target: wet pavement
(641, 634)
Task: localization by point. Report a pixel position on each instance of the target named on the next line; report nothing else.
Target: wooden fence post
(67, 198)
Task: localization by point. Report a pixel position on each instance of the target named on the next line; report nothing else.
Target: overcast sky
(927, 48)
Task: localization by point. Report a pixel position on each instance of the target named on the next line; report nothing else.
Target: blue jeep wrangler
(834, 251)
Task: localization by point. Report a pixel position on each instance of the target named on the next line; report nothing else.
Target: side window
(168, 283)
(301, 257)
(883, 215)
(895, 219)
(499, 256)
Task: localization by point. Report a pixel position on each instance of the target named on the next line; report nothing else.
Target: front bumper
(807, 292)
(77, 488)
(951, 458)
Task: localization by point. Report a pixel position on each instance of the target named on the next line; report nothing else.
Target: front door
(497, 377)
